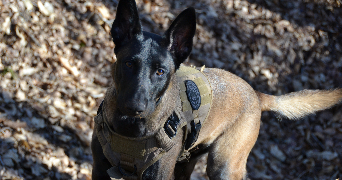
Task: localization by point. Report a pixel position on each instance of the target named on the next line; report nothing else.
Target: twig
(32, 37)
(13, 124)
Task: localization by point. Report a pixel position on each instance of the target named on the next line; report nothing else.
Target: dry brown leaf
(72, 69)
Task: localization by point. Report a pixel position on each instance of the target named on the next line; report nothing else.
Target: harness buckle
(171, 125)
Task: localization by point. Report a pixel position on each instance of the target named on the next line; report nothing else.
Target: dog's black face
(145, 64)
(142, 73)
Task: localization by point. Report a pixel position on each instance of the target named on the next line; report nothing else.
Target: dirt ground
(55, 61)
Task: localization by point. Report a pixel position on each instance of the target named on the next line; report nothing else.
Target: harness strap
(130, 157)
(196, 96)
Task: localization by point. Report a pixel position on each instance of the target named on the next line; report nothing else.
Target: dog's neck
(145, 126)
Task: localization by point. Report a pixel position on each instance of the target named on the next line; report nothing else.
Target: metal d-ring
(123, 172)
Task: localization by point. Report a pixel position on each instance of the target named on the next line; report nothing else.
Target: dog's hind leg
(100, 164)
(228, 155)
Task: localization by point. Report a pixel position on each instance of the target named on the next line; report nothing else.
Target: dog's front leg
(184, 170)
(228, 155)
(100, 162)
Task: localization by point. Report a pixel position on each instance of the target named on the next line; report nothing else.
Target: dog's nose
(135, 109)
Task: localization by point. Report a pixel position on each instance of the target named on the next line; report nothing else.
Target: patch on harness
(171, 125)
(193, 94)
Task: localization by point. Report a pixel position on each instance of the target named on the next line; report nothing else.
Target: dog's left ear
(126, 24)
(180, 35)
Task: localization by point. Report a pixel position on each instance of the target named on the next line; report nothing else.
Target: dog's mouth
(130, 126)
(129, 118)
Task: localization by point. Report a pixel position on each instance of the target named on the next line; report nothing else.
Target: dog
(142, 130)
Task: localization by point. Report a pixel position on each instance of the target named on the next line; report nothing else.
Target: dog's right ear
(126, 24)
(180, 35)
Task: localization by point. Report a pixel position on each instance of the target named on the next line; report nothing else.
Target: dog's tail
(299, 104)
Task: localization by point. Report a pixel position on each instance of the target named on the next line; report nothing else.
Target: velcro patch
(193, 94)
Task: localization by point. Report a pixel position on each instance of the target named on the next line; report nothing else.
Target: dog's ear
(180, 35)
(126, 24)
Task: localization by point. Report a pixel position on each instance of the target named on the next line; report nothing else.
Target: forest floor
(55, 59)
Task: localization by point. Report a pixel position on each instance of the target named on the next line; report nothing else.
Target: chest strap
(130, 157)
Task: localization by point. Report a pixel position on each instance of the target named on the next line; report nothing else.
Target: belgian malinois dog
(132, 136)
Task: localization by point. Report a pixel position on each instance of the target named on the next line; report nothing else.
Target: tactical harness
(130, 157)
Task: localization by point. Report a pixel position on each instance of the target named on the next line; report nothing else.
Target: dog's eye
(129, 64)
(160, 72)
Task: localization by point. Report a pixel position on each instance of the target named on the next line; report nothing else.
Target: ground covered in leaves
(55, 61)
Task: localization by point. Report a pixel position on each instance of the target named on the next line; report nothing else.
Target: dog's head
(146, 61)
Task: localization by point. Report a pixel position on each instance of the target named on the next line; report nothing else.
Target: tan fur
(299, 104)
